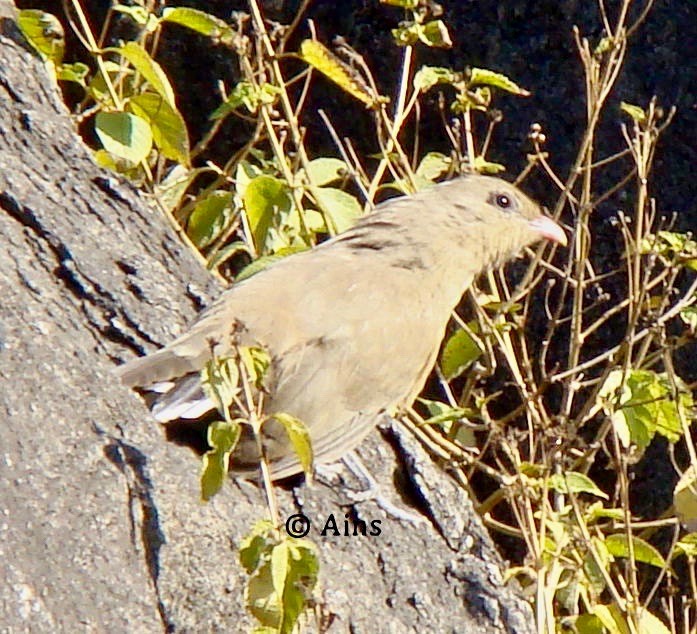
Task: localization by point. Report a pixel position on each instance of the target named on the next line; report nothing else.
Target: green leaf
(428, 76)
(585, 624)
(261, 599)
(486, 77)
(592, 573)
(227, 252)
(485, 167)
(604, 45)
(151, 71)
(220, 382)
(267, 260)
(114, 163)
(302, 571)
(245, 173)
(265, 197)
(76, 73)
(201, 22)
(409, 5)
(574, 482)
(434, 165)
(611, 618)
(243, 94)
(686, 545)
(644, 404)
(97, 87)
(340, 209)
(124, 134)
(223, 438)
(284, 576)
(140, 15)
(279, 567)
(651, 624)
(299, 438)
(255, 546)
(689, 317)
(597, 511)
(322, 171)
(407, 34)
(460, 351)
(635, 112)
(257, 362)
(168, 127)
(209, 217)
(247, 95)
(442, 412)
(172, 188)
(685, 498)
(678, 246)
(44, 32)
(618, 546)
(435, 34)
(321, 58)
(452, 421)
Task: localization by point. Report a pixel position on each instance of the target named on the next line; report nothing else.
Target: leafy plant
(547, 413)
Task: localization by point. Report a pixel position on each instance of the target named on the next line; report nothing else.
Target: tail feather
(158, 367)
(185, 400)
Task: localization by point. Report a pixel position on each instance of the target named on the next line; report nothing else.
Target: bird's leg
(371, 489)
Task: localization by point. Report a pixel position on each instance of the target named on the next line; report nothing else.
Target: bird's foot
(372, 491)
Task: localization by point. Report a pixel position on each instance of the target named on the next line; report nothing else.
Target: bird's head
(496, 218)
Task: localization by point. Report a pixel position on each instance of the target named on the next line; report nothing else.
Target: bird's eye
(503, 201)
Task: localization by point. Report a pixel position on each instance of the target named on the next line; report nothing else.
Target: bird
(352, 326)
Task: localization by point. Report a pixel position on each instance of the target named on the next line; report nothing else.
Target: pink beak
(549, 229)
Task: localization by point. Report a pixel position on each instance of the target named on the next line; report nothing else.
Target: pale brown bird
(354, 325)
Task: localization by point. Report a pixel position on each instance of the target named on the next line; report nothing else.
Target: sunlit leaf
(140, 15)
(124, 134)
(686, 545)
(76, 73)
(256, 544)
(460, 351)
(404, 4)
(168, 126)
(646, 405)
(483, 166)
(575, 482)
(209, 217)
(172, 188)
(299, 438)
(480, 76)
(256, 361)
(325, 170)
(44, 32)
(151, 71)
(618, 546)
(635, 112)
(265, 261)
(223, 438)
(433, 165)
(265, 197)
(685, 498)
(219, 381)
(341, 209)
(428, 76)
(201, 22)
(435, 34)
(321, 58)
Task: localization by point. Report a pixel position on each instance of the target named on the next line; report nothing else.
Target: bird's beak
(549, 229)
